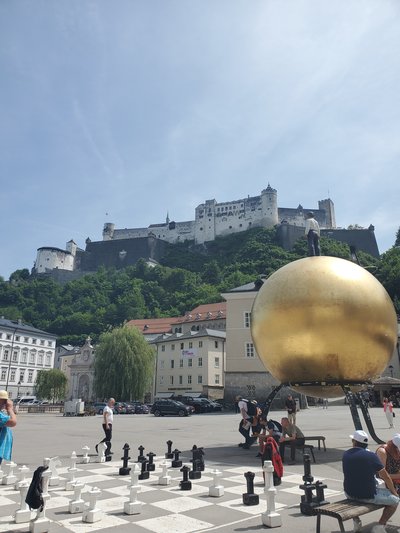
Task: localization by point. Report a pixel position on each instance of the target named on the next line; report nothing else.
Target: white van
(25, 400)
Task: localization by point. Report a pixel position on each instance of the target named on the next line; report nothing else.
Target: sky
(123, 111)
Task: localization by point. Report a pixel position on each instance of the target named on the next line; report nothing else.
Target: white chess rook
(92, 513)
(9, 477)
(77, 504)
(270, 518)
(42, 524)
(23, 514)
(216, 490)
(165, 479)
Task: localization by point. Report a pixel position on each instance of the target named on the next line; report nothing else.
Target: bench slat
(346, 509)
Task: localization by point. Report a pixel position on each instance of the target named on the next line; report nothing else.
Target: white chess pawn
(133, 506)
(270, 518)
(24, 513)
(23, 471)
(165, 478)
(92, 513)
(77, 504)
(85, 458)
(216, 489)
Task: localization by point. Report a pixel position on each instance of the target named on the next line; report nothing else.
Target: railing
(39, 409)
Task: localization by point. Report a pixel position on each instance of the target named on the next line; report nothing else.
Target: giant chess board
(164, 508)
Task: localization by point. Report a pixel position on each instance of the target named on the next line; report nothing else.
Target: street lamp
(11, 354)
(18, 386)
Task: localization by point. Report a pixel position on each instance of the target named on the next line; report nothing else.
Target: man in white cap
(360, 466)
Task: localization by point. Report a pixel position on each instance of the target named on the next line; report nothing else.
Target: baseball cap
(360, 436)
(3, 395)
(396, 440)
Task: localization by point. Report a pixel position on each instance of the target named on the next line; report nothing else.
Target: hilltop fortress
(123, 247)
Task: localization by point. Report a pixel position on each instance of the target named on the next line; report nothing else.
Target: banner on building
(189, 353)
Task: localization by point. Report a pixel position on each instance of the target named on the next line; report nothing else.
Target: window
(216, 362)
(200, 361)
(12, 374)
(249, 349)
(190, 344)
(163, 348)
(190, 362)
(161, 380)
(171, 380)
(42, 343)
(5, 354)
(172, 347)
(180, 363)
(200, 344)
(32, 357)
(182, 345)
(34, 341)
(48, 360)
(15, 356)
(30, 376)
(216, 344)
(17, 338)
(8, 336)
(40, 359)
(24, 356)
(180, 380)
(189, 380)
(21, 375)
(172, 363)
(3, 374)
(199, 380)
(162, 363)
(26, 339)
(216, 379)
(49, 343)
(247, 319)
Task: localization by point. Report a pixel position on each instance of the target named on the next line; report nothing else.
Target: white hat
(360, 436)
(3, 395)
(396, 440)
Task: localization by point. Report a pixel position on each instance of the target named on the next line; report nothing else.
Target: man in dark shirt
(360, 467)
(291, 408)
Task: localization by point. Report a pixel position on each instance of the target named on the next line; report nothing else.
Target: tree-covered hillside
(189, 276)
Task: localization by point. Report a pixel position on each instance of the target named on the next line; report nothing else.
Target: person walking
(108, 417)
(360, 467)
(388, 410)
(312, 233)
(291, 408)
(8, 419)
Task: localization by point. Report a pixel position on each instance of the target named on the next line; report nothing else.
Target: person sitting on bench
(291, 436)
(360, 466)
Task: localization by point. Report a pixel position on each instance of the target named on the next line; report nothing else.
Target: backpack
(34, 497)
(271, 453)
(277, 425)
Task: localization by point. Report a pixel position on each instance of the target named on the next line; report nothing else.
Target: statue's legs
(350, 397)
(368, 421)
(271, 397)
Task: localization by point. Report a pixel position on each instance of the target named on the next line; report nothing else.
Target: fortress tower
(269, 202)
(329, 208)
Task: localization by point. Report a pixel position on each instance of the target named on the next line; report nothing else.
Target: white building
(190, 362)
(24, 350)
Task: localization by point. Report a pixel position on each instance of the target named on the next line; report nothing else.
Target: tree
(51, 384)
(397, 241)
(124, 364)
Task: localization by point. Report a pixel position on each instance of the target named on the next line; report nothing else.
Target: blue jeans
(383, 496)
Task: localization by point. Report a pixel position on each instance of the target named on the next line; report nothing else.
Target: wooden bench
(318, 438)
(344, 510)
(305, 448)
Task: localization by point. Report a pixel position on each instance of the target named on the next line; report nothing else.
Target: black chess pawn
(169, 454)
(176, 463)
(125, 470)
(249, 498)
(185, 484)
(141, 456)
(144, 474)
(150, 464)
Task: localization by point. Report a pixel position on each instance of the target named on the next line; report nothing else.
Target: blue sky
(139, 107)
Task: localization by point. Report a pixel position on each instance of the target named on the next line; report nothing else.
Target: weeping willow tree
(124, 365)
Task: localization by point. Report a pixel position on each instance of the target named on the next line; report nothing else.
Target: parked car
(120, 408)
(170, 407)
(142, 409)
(99, 407)
(130, 408)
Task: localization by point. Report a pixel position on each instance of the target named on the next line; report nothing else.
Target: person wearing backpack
(248, 411)
(8, 419)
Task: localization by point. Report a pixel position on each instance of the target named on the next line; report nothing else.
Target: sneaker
(378, 528)
(357, 525)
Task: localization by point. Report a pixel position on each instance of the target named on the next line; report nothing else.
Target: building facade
(24, 350)
(81, 373)
(192, 362)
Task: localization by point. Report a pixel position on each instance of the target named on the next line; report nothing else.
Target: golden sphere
(323, 319)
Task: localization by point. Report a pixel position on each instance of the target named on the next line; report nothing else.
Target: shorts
(383, 496)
